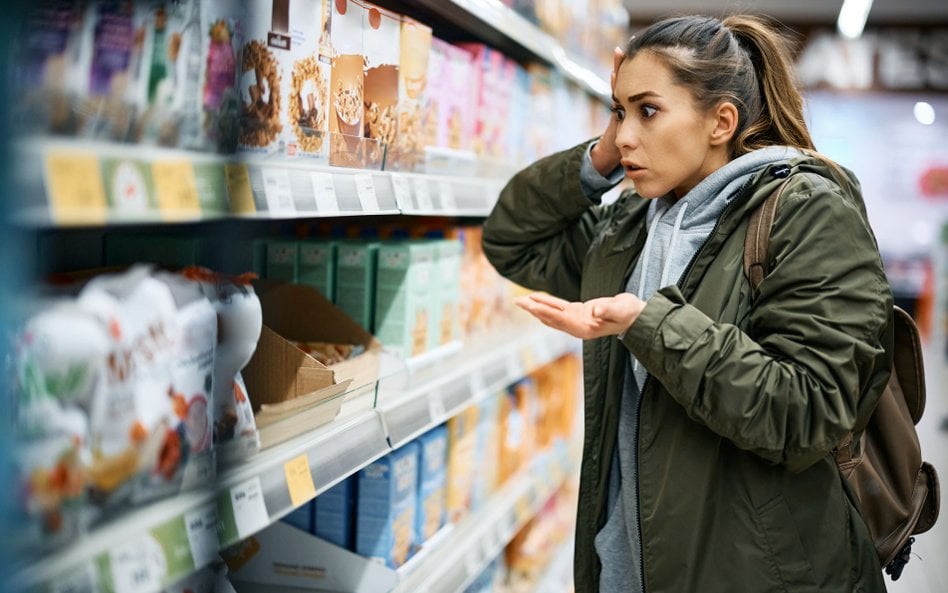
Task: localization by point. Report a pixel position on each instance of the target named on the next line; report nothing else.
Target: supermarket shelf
(174, 537)
(447, 563)
(413, 403)
(510, 32)
(64, 183)
(467, 549)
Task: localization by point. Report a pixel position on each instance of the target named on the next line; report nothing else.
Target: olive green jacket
(746, 398)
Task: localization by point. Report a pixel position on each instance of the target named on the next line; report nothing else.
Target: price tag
(299, 480)
(446, 193)
(423, 193)
(201, 527)
(325, 191)
(276, 187)
(250, 510)
(176, 189)
(82, 579)
(137, 566)
(436, 407)
(365, 187)
(238, 188)
(75, 187)
(401, 187)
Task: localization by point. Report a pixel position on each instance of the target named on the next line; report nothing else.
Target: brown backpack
(896, 492)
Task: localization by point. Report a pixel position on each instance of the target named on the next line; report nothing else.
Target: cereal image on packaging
(348, 104)
(260, 96)
(309, 90)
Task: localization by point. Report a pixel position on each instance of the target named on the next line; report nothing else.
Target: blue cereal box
(334, 513)
(301, 518)
(432, 484)
(385, 519)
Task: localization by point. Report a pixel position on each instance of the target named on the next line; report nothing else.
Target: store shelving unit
(63, 183)
(157, 545)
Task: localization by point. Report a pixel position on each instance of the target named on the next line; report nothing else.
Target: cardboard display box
(292, 392)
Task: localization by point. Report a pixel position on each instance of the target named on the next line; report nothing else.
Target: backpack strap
(757, 240)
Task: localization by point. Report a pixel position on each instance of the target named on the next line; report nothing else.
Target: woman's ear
(724, 123)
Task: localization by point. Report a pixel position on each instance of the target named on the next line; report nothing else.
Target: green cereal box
(317, 266)
(406, 282)
(282, 261)
(355, 280)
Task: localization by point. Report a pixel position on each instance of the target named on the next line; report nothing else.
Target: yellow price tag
(176, 189)
(238, 188)
(75, 187)
(299, 480)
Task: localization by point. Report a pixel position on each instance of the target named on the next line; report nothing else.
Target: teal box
(233, 256)
(404, 292)
(432, 484)
(283, 261)
(355, 281)
(317, 266)
(385, 519)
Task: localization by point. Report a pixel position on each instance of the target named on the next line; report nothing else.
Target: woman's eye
(648, 111)
(619, 113)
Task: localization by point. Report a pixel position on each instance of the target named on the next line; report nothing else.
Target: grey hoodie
(676, 230)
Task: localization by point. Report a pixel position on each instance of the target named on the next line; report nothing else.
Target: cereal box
(317, 266)
(301, 518)
(356, 263)
(346, 84)
(306, 81)
(491, 99)
(283, 261)
(385, 518)
(446, 314)
(432, 482)
(381, 33)
(455, 114)
(335, 514)
(105, 62)
(412, 95)
(222, 23)
(462, 441)
(166, 70)
(437, 71)
(404, 287)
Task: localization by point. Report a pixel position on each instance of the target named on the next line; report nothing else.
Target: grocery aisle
(927, 572)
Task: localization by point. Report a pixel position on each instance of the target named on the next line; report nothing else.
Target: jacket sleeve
(542, 225)
(819, 357)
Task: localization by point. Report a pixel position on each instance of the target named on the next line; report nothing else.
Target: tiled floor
(927, 571)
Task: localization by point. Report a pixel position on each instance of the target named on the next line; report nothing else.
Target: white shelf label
(201, 527)
(423, 193)
(365, 187)
(250, 510)
(401, 187)
(276, 187)
(477, 384)
(137, 566)
(325, 191)
(446, 193)
(82, 579)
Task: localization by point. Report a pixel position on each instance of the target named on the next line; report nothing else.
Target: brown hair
(740, 59)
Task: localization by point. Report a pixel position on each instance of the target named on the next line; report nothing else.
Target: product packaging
(222, 26)
(317, 266)
(283, 261)
(446, 315)
(166, 68)
(486, 451)
(491, 99)
(335, 514)
(46, 69)
(437, 73)
(346, 85)
(432, 484)
(456, 112)
(356, 274)
(104, 63)
(306, 82)
(301, 518)
(403, 296)
(381, 33)
(385, 517)
(462, 440)
(412, 96)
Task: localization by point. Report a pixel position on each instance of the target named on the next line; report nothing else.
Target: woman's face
(664, 139)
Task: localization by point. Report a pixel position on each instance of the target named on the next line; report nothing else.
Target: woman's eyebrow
(638, 96)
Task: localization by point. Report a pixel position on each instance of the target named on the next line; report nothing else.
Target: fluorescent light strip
(852, 18)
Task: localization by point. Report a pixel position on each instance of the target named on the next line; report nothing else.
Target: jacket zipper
(647, 382)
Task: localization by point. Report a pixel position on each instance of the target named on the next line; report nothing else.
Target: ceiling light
(852, 17)
(924, 113)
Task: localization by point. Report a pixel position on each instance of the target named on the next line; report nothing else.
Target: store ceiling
(808, 12)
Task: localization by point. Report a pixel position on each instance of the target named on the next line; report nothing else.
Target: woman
(710, 412)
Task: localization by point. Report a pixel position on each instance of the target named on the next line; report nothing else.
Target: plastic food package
(222, 24)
